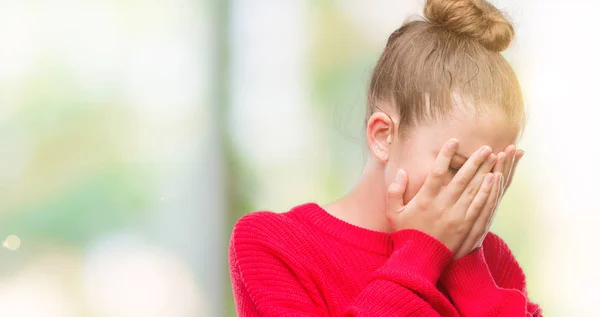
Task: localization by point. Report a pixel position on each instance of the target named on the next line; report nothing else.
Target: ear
(380, 130)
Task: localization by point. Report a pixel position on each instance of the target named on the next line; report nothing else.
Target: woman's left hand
(506, 164)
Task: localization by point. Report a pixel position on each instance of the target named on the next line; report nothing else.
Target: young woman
(411, 238)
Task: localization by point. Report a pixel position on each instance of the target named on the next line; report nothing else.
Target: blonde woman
(411, 238)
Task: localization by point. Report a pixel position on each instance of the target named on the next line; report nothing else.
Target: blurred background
(133, 134)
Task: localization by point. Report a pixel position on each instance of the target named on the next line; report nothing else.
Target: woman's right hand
(448, 212)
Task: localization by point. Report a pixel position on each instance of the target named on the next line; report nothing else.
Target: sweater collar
(370, 240)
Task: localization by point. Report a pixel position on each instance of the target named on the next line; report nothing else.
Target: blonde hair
(454, 53)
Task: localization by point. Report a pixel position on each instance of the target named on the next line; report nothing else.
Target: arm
(406, 283)
(489, 282)
(268, 285)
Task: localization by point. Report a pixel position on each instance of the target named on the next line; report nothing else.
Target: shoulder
(267, 229)
(268, 239)
(502, 263)
(256, 228)
(258, 222)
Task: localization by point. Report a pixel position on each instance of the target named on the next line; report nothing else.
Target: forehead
(473, 131)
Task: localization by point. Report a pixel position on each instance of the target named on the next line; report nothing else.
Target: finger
(500, 188)
(491, 206)
(470, 193)
(518, 156)
(510, 151)
(435, 179)
(475, 208)
(465, 175)
(501, 164)
(482, 197)
(395, 192)
(487, 215)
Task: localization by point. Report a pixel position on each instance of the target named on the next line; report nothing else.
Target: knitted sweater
(306, 262)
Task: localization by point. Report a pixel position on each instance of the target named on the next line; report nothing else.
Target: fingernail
(485, 150)
(521, 152)
(452, 144)
(398, 178)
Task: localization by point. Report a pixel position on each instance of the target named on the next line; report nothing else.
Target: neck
(365, 205)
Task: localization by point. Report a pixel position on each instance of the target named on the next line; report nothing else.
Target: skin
(366, 205)
(457, 213)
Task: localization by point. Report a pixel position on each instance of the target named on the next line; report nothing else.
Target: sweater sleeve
(489, 282)
(406, 284)
(265, 284)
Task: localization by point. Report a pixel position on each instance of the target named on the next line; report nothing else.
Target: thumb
(395, 192)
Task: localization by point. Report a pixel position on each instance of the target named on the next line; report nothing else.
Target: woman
(411, 238)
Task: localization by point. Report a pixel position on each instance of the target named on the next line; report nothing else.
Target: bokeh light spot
(12, 242)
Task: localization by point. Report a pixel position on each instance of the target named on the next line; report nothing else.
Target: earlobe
(379, 134)
(381, 155)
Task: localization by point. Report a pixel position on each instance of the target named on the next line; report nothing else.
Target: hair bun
(477, 19)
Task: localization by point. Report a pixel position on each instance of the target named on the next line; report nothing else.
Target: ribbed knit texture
(306, 262)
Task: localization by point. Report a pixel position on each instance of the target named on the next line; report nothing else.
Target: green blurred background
(135, 133)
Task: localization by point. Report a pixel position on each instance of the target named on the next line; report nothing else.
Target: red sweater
(306, 262)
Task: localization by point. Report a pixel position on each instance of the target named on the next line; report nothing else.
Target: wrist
(420, 254)
(469, 275)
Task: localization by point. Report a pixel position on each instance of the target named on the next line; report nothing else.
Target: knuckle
(438, 172)
(462, 181)
(486, 189)
(487, 204)
(471, 191)
(461, 229)
(439, 211)
(422, 204)
(455, 223)
(477, 204)
(447, 154)
(395, 213)
(491, 204)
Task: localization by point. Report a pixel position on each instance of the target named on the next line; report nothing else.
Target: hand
(506, 169)
(483, 223)
(507, 164)
(447, 213)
